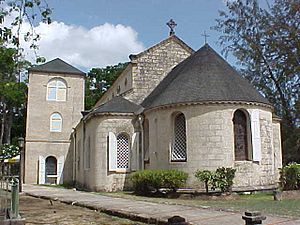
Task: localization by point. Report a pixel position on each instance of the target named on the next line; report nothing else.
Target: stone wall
(97, 177)
(210, 142)
(146, 70)
(151, 67)
(45, 149)
(39, 139)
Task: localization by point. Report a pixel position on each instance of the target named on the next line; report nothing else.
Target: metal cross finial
(205, 37)
(172, 25)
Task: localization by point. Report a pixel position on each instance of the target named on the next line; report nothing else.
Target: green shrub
(222, 178)
(290, 177)
(204, 176)
(147, 182)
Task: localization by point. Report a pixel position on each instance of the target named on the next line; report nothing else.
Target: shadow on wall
(68, 169)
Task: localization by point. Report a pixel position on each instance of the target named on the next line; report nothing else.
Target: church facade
(173, 108)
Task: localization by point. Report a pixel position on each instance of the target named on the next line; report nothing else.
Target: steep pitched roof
(172, 37)
(202, 77)
(117, 105)
(57, 66)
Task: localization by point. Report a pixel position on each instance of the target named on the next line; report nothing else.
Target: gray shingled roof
(204, 76)
(57, 66)
(117, 105)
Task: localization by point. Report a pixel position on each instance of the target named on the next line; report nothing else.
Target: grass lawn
(262, 202)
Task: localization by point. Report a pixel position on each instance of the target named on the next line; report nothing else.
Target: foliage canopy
(266, 42)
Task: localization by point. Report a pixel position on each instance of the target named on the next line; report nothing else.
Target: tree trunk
(2, 124)
(8, 126)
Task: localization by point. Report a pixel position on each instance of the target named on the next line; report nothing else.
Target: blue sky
(147, 17)
(97, 33)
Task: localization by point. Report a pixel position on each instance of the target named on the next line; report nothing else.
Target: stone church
(170, 108)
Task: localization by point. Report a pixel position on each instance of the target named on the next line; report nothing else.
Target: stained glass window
(240, 135)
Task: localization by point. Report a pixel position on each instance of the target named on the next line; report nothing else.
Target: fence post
(14, 199)
(253, 218)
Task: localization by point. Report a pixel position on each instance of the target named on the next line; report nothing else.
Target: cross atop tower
(205, 36)
(172, 25)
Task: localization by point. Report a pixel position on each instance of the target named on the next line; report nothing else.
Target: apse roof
(204, 76)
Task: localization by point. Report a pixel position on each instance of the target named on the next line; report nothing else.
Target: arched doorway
(51, 170)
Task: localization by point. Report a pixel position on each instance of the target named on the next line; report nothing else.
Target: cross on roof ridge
(172, 25)
(205, 35)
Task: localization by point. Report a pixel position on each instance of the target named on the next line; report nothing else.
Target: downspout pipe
(74, 156)
(141, 122)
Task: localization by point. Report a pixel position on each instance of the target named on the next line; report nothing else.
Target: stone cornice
(210, 103)
(47, 141)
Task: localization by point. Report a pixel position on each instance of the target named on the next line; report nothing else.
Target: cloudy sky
(96, 33)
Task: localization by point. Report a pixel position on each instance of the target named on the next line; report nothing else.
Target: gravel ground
(40, 211)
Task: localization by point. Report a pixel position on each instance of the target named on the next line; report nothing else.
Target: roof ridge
(172, 37)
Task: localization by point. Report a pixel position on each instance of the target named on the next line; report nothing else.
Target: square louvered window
(179, 142)
(122, 151)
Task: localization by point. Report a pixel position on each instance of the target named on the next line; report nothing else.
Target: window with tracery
(56, 90)
(241, 145)
(178, 152)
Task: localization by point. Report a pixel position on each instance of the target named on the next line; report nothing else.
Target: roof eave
(56, 72)
(150, 108)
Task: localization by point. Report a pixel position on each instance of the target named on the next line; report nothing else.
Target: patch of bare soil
(291, 194)
(40, 211)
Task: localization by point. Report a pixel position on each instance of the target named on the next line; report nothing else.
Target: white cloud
(99, 46)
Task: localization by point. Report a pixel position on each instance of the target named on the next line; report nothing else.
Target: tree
(98, 80)
(12, 105)
(20, 11)
(12, 65)
(266, 43)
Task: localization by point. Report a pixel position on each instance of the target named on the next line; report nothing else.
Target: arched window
(51, 165)
(122, 151)
(55, 122)
(241, 136)
(51, 170)
(178, 152)
(56, 90)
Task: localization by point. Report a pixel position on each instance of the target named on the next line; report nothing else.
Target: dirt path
(39, 211)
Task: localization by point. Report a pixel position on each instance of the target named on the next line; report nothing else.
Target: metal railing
(9, 197)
